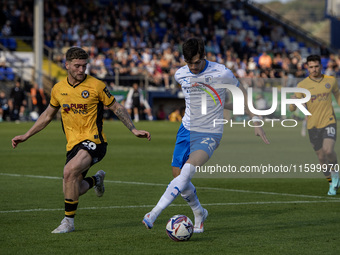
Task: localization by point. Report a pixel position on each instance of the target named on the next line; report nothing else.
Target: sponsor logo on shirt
(76, 108)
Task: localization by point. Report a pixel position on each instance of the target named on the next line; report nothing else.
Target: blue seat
(266, 38)
(218, 39)
(256, 59)
(2, 73)
(280, 44)
(301, 44)
(107, 62)
(12, 44)
(10, 74)
(245, 25)
(255, 30)
(324, 62)
(227, 15)
(4, 42)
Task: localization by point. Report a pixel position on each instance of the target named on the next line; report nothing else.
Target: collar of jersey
(78, 83)
(323, 76)
(205, 67)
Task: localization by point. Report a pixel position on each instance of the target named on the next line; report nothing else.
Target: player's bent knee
(70, 175)
(188, 171)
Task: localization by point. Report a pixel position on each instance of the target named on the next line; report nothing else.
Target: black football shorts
(317, 135)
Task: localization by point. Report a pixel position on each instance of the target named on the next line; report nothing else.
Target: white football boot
(199, 220)
(99, 187)
(66, 226)
(148, 221)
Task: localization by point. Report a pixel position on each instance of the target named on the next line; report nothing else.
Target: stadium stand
(141, 40)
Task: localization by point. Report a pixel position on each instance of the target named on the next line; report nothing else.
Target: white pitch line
(175, 205)
(207, 188)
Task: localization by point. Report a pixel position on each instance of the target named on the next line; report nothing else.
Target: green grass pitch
(246, 215)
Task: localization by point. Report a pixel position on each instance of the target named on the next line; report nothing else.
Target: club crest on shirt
(208, 78)
(85, 94)
(328, 86)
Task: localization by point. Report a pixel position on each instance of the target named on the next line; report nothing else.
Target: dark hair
(314, 58)
(76, 53)
(192, 47)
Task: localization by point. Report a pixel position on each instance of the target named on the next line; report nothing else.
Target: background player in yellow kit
(81, 99)
(321, 124)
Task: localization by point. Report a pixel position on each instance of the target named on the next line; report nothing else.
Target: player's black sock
(91, 181)
(331, 166)
(328, 175)
(70, 208)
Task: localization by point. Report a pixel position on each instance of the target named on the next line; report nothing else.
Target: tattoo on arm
(124, 117)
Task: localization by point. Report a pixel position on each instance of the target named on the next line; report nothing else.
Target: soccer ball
(179, 228)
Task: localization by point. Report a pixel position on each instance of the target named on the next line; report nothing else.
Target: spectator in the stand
(17, 101)
(265, 61)
(165, 67)
(123, 69)
(49, 42)
(136, 103)
(276, 33)
(196, 17)
(230, 62)
(97, 67)
(210, 56)
(235, 23)
(156, 71)
(154, 29)
(4, 107)
(292, 69)
(38, 99)
(133, 69)
(161, 115)
(300, 72)
(324, 51)
(330, 69)
(277, 61)
(175, 116)
(265, 29)
(252, 65)
(146, 55)
(7, 29)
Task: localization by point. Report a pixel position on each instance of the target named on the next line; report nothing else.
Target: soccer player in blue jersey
(196, 138)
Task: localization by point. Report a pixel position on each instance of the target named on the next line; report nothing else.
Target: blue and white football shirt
(204, 98)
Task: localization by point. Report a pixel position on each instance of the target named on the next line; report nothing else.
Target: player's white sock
(136, 117)
(174, 188)
(189, 195)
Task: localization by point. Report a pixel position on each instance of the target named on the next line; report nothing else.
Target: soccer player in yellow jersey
(81, 99)
(321, 124)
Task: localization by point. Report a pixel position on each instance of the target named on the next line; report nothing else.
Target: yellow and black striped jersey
(82, 109)
(320, 104)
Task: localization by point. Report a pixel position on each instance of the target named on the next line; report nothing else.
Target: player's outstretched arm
(44, 119)
(124, 116)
